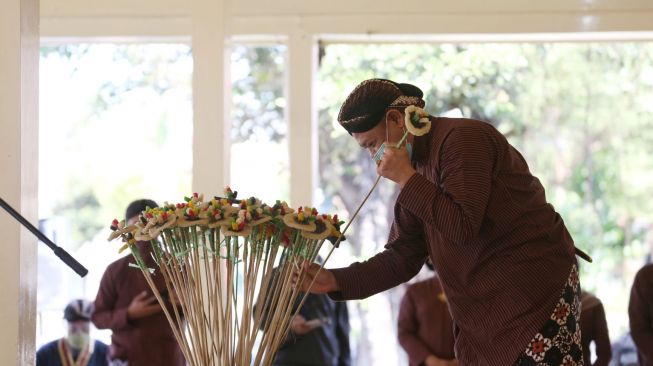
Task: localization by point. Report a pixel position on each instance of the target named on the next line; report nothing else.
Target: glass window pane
(259, 132)
(115, 125)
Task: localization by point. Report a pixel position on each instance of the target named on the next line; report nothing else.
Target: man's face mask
(379, 153)
(78, 334)
(77, 340)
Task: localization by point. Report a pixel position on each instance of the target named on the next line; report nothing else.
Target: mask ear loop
(387, 132)
(379, 153)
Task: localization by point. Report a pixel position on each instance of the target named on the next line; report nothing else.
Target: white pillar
(210, 128)
(302, 119)
(19, 59)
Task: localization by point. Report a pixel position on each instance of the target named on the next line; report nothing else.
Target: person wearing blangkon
(468, 200)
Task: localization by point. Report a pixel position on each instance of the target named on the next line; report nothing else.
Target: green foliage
(81, 209)
(258, 93)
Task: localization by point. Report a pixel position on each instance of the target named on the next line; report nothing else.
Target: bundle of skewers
(228, 268)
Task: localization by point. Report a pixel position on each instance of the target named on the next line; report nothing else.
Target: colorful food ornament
(229, 195)
(323, 229)
(336, 224)
(252, 213)
(250, 202)
(280, 208)
(186, 254)
(237, 225)
(190, 211)
(303, 219)
(158, 219)
(259, 215)
(119, 228)
(232, 220)
(218, 212)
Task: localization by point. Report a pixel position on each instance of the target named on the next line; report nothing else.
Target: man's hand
(301, 326)
(325, 281)
(143, 306)
(395, 165)
(433, 360)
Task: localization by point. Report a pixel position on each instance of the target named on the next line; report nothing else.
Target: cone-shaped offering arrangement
(228, 266)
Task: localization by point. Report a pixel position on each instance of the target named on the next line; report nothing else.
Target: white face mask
(77, 340)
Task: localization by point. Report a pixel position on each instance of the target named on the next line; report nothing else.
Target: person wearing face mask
(469, 202)
(76, 348)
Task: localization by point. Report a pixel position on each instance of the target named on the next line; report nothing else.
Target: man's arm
(603, 347)
(105, 314)
(640, 316)
(402, 259)
(456, 207)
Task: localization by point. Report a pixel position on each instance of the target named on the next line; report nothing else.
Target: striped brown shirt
(502, 252)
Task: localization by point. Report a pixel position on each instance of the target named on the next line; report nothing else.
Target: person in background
(319, 334)
(76, 348)
(594, 328)
(125, 304)
(425, 328)
(640, 312)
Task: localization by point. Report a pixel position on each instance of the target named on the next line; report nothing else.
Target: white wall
(361, 16)
(18, 177)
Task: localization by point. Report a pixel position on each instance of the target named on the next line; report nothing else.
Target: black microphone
(58, 251)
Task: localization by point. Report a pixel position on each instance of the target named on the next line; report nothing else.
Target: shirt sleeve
(456, 207)
(640, 316)
(106, 315)
(603, 348)
(342, 333)
(407, 327)
(403, 257)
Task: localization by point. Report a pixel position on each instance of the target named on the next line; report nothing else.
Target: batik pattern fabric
(558, 343)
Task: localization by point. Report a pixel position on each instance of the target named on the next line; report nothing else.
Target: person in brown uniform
(468, 200)
(640, 312)
(425, 328)
(125, 304)
(594, 328)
